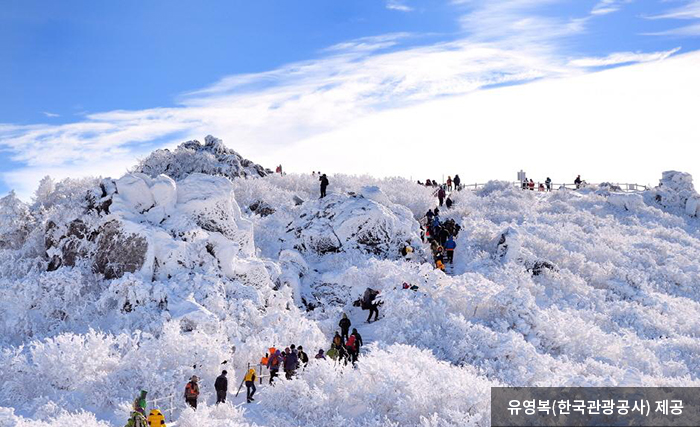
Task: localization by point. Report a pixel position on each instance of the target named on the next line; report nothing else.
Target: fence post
(172, 406)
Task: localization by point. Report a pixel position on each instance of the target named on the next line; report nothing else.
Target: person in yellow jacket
(250, 384)
(156, 419)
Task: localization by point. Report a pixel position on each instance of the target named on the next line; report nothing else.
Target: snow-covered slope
(110, 286)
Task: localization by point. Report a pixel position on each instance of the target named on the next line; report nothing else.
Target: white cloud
(604, 7)
(622, 58)
(399, 5)
(50, 115)
(689, 11)
(517, 22)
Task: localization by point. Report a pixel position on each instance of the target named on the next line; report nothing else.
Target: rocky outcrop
(367, 222)
(211, 158)
(676, 194)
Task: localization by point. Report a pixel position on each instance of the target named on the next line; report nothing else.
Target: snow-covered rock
(626, 201)
(367, 222)
(676, 193)
(212, 158)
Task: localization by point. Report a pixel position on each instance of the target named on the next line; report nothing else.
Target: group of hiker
(138, 415)
(441, 236)
(345, 346)
(547, 185)
(530, 185)
(290, 359)
(449, 184)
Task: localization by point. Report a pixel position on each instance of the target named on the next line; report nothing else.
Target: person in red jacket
(351, 347)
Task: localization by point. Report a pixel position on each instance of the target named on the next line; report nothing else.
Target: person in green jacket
(140, 403)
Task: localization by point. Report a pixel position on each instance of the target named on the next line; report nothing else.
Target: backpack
(137, 420)
(191, 391)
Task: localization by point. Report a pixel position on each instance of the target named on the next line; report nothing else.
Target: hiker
(436, 213)
(273, 364)
(439, 265)
(303, 357)
(448, 202)
(324, 184)
(250, 384)
(577, 181)
(435, 184)
(351, 347)
(373, 308)
(434, 246)
(444, 235)
(290, 362)
(406, 249)
(140, 402)
(320, 354)
(337, 340)
(137, 419)
(429, 217)
(524, 184)
(449, 183)
(264, 359)
(548, 184)
(332, 353)
(221, 387)
(441, 195)
(344, 327)
(541, 187)
(456, 182)
(450, 246)
(192, 391)
(156, 418)
(358, 341)
(531, 185)
(439, 254)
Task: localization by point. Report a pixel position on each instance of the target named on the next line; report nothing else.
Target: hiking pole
(241, 386)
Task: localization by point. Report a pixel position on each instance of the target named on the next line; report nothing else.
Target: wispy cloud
(517, 22)
(604, 7)
(505, 42)
(49, 114)
(622, 58)
(689, 11)
(399, 5)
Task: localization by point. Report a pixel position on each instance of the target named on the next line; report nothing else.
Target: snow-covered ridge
(109, 286)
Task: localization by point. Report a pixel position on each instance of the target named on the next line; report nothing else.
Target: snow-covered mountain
(110, 286)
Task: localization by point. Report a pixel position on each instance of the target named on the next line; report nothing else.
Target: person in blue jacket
(450, 246)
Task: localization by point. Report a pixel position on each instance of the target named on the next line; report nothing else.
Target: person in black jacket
(303, 357)
(456, 182)
(221, 387)
(324, 184)
(358, 340)
(344, 327)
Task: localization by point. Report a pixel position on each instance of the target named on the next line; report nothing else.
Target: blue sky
(87, 87)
